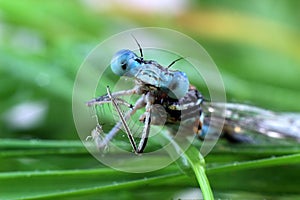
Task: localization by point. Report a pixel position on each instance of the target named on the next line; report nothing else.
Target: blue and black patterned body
(185, 111)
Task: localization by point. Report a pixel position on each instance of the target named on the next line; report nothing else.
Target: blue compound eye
(124, 62)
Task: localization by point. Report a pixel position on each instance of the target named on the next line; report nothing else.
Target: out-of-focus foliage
(255, 44)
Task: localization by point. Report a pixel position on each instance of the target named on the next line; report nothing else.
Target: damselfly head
(125, 62)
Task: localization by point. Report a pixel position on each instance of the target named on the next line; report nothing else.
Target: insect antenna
(140, 48)
(172, 63)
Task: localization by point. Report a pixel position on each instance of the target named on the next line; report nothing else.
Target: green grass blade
(197, 163)
(49, 184)
(254, 164)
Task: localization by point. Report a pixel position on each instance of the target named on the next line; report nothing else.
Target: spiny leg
(101, 143)
(106, 99)
(146, 130)
(139, 104)
(113, 98)
(100, 101)
(123, 121)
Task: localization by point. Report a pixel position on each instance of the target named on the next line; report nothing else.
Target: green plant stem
(197, 162)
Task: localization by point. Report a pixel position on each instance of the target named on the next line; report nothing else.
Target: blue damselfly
(183, 104)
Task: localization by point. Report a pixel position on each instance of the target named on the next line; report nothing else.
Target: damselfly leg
(143, 101)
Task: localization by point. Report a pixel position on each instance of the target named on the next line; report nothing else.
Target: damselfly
(183, 104)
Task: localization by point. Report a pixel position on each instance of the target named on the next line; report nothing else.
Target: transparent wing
(240, 117)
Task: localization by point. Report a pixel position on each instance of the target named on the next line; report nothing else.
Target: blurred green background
(255, 44)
